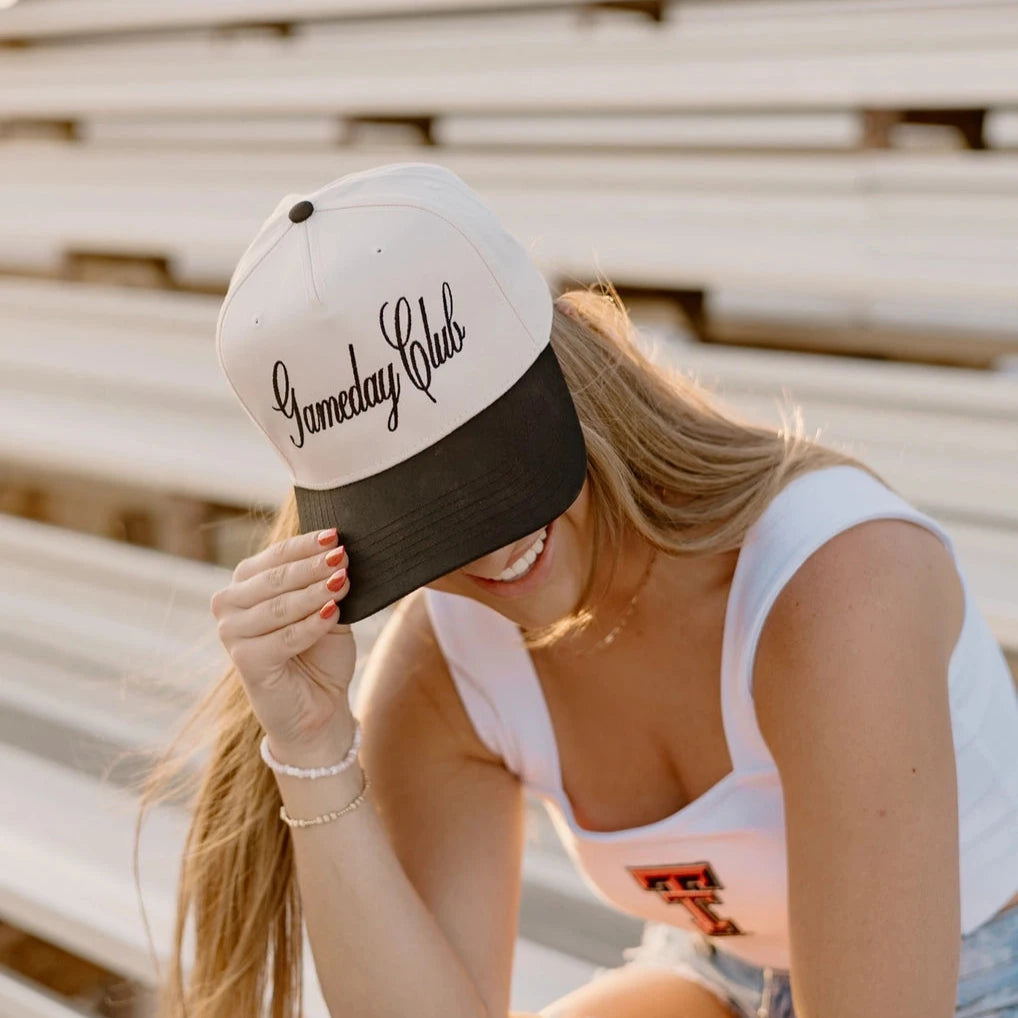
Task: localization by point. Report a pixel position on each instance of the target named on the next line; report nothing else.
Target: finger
(293, 639)
(286, 576)
(287, 607)
(281, 552)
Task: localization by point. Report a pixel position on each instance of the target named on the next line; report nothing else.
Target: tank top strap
(498, 685)
(806, 513)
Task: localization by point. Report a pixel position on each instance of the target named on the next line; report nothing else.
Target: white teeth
(522, 565)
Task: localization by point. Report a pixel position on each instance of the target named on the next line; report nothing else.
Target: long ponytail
(238, 878)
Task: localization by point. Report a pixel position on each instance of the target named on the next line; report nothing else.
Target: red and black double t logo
(692, 885)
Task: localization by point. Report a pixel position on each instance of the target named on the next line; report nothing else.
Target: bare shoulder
(881, 584)
(864, 563)
(407, 680)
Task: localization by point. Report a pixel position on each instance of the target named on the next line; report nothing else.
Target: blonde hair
(649, 431)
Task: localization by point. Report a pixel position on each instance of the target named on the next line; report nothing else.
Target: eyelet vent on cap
(301, 211)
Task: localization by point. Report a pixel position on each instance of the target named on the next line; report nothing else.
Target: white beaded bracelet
(313, 772)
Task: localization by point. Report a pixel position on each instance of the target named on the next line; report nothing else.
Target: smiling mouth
(523, 564)
(526, 561)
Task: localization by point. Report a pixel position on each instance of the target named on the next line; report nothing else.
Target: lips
(523, 563)
(516, 557)
(530, 580)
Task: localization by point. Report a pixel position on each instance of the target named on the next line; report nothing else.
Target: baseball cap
(391, 340)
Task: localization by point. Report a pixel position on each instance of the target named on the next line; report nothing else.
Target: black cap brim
(505, 473)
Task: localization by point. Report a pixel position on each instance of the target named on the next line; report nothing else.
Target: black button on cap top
(301, 211)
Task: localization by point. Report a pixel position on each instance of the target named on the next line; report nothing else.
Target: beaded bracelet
(324, 818)
(313, 772)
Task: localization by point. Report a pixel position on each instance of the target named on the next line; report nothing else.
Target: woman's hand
(295, 663)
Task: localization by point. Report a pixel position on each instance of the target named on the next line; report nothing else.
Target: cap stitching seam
(400, 548)
(387, 536)
(316, 296)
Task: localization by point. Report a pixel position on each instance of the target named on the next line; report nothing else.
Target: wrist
(323, 749)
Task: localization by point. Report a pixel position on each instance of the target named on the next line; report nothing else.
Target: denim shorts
(987, 983)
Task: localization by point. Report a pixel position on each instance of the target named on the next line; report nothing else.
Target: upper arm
(851, 692)
(453, 813)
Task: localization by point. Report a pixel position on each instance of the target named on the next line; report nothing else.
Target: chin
(534, 616)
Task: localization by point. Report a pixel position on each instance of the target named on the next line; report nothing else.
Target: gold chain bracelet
(324, 818)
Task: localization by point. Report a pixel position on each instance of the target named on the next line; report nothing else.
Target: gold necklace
(607, 640)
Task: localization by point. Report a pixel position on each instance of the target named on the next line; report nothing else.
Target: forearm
(377, 947)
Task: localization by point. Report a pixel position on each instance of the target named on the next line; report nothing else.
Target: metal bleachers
(875, 227)
(821, 55)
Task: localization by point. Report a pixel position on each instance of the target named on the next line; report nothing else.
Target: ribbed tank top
(719, 864)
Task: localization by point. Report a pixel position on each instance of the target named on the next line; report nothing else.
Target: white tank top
(718, 865)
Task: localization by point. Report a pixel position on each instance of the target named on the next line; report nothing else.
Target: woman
(747, 678)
